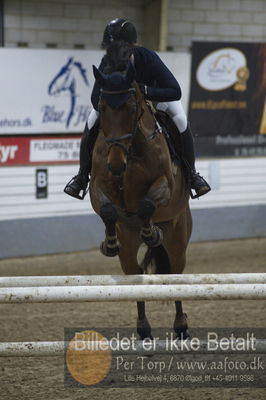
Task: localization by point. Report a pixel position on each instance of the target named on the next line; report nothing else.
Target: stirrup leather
(69, 191)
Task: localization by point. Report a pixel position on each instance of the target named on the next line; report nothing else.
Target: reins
(116, 141)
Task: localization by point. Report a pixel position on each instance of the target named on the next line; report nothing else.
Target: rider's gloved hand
(143, 89)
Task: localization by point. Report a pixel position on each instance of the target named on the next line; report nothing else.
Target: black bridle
(116, 141)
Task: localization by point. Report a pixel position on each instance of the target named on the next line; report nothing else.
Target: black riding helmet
(119, 29)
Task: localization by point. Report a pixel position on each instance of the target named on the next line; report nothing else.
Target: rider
(157, 84)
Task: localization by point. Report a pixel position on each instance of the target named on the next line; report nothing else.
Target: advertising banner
(45, 91)
(40, 150)
(227, 107)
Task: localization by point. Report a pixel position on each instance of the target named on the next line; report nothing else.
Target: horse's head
(120, 111)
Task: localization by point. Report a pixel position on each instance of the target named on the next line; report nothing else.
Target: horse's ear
(99, 76)
(131, 73)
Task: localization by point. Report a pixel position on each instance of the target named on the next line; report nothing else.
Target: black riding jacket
(150, 71)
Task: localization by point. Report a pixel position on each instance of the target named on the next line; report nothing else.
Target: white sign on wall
(45, 90)
(48, 91)
(54, 150)
(221, 69)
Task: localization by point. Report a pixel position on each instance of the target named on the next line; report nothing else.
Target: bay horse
(139, 194)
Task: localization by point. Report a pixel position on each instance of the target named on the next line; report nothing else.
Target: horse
(66, 81)
(139, 194)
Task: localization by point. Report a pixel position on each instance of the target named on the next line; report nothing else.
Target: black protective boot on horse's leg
(197, 182)
(80, 182)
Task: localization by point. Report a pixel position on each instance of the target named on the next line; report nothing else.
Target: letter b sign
(41, 183)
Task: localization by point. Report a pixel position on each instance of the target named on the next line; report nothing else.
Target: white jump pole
(46, 349)
(132, 293)
(31, 349)
(107, 280)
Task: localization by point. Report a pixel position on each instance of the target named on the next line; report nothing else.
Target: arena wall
(69, 24)
(235, 208)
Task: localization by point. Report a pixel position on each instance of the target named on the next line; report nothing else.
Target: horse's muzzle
(117, 170)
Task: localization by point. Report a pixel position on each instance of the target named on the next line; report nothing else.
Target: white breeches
(92, 118)
(176, 111)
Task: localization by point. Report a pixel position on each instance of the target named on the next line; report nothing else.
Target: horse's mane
(117, 56)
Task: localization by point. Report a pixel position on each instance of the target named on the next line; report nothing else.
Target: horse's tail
(156, 261)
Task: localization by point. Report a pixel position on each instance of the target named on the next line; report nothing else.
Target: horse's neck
(146, 132)
(147, 123)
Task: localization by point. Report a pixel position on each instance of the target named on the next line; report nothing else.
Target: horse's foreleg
(110, 246)
(157, 195)
(107, 211)
(150, 234)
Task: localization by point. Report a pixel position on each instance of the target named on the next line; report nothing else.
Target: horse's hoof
(144, 329)
(109, 251)
(155, 239)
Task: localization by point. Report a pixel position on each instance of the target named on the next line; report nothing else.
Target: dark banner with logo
(227, 108)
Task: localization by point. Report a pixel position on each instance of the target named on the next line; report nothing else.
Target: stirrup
(71, 193)
(205, 189)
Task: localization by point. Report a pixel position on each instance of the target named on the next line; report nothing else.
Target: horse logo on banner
(68, 80)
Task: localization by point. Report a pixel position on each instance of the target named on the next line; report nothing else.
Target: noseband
(116, 141)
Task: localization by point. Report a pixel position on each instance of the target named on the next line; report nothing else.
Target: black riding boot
(80, 182)
(198, 183)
